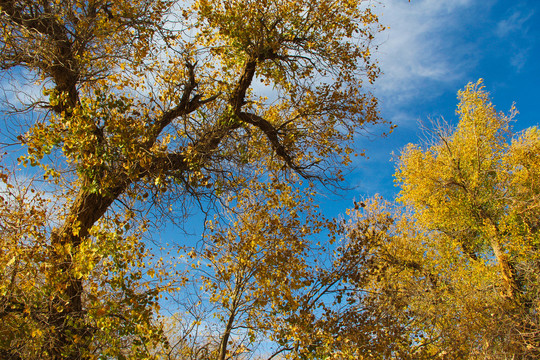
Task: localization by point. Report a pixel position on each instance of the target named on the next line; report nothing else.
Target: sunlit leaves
(147, 106)
(461, 260)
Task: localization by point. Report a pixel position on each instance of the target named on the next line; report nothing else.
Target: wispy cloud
(516, 28)
(422, 53)
(517, 22)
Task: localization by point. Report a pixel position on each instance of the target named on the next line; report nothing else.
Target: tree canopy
(457, 257)
(145, 106)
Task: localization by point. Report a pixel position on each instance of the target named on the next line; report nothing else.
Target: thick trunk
(67, 312)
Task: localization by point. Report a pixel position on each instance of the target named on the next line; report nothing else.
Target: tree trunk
(67, 313)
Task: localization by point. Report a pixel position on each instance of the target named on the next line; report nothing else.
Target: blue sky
(432, 49)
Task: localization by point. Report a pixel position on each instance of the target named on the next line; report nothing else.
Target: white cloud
(515, 23)
(514, 29)
(519, 58)
(421, 54)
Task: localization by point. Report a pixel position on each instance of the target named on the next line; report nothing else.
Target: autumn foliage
(141, 112)
(457, 257)
(143, 108)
